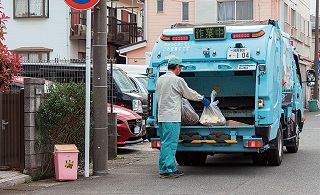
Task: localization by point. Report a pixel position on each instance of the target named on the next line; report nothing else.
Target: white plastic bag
(212, 115)
(188, 114)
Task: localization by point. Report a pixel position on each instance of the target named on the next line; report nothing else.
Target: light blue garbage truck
(255, 72)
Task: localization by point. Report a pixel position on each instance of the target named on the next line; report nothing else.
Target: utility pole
(99, 76)
(316, 50)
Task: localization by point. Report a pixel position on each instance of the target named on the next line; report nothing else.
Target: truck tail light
(253, 144)
(247, 35)
(155, 143)
(175, 38)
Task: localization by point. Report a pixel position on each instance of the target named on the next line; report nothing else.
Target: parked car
(124, 92)
(140, 82)
(129, 126)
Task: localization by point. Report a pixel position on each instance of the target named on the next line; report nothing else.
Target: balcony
(120, 33)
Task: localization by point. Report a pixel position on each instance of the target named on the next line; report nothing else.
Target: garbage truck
(255, 72)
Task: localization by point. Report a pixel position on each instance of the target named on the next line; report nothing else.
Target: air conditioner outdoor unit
(79, 29)
(122, 36)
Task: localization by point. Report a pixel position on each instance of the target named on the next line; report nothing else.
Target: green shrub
(61, 120)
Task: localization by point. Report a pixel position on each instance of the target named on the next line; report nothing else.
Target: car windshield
(123, 81)
(143, 81)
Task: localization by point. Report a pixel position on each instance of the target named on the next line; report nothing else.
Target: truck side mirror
(311, 77)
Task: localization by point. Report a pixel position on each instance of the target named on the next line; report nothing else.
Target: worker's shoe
(168, 175)
(177, 172)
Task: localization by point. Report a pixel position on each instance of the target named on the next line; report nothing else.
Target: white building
(50, 30)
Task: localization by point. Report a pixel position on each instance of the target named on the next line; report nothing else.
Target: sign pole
(87, 106)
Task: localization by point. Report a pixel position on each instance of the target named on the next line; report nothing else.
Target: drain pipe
(121, 55)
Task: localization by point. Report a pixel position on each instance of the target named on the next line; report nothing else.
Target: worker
(170, 89)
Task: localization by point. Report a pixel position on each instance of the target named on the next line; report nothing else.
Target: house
(48, 30)
(294, 16)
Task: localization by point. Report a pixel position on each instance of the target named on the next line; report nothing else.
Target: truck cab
(257, 78)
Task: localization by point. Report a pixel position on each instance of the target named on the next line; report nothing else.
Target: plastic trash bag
(188, 114)
(212, 115)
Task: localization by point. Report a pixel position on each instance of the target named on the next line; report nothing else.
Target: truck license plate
(238, 53)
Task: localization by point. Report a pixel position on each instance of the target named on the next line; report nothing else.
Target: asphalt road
(136, 172)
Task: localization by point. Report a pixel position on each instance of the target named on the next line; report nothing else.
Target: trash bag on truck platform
(188, 114)
(212, 115)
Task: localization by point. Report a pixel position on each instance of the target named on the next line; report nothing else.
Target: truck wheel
(259, 158)
(274, 155)
(182, 158)
(198, 158)
(293, 145)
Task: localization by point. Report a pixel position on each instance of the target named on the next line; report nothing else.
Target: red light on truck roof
(247, 35)
(175, 38)
(240, 35)
(180, 38)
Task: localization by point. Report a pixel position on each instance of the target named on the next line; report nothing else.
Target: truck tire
(275, 154)
(182, 158)
(293, 145)
(259, 158)
(198, 158)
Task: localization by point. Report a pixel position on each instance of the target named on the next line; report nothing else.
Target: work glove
(205, 102)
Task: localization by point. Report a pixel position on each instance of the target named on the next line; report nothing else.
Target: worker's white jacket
(170, 89)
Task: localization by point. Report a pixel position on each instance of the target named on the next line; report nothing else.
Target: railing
(122, 32)
(119, 32)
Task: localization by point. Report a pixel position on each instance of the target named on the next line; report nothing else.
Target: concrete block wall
(33, 96)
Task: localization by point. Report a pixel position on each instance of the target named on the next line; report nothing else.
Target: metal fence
(61, 71)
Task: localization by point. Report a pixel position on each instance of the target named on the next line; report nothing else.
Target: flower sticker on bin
(69, 164)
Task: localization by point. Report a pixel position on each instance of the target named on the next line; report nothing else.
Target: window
(34, 54)
(285, 12)
(160, 6)
(235, 10)
(31, 8)
(185, 11)
(293, 18)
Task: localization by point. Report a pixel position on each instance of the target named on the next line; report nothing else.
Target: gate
(12, 129)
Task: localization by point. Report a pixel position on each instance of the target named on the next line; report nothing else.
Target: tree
(10, 64)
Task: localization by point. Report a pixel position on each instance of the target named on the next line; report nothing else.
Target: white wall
(52, 32)
(205, 11)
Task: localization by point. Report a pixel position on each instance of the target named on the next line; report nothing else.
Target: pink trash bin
(66, 162)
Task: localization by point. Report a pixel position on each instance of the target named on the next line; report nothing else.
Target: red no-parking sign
(82, 4)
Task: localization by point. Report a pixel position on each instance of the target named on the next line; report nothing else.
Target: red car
(129, 126)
